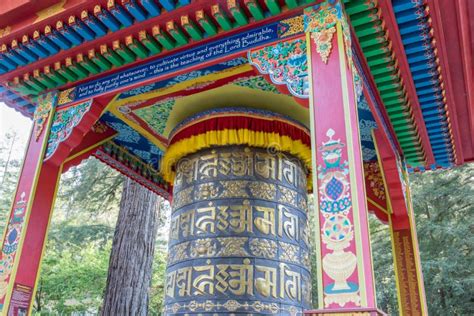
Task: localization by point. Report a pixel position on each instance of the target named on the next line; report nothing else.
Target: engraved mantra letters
(282, 223)
(244, 278)
(246, 163)
(239, 234)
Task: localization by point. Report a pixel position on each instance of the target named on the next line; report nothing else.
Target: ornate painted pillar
(25, 232)
(406, 256)
(238, 237)
(345, 275)
(56, 131)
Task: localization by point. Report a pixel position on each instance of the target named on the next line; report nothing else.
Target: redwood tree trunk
(130, 267)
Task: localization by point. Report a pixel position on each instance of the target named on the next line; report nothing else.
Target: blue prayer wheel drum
(239, 234)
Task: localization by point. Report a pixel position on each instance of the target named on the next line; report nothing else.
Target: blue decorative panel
(239, 235)
(134, 142)
(366, 125)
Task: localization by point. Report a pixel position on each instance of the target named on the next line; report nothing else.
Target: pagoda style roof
(415, 58)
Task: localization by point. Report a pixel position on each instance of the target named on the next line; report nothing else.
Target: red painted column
(406, 256)
(345, 275)
(25, 232)
(49, 150)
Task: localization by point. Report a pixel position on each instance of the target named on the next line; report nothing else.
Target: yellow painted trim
(379, 161)
(364, 189)
(114, 106)
(395, 268)
(416, 255)
(248, 137)
(35, 287)
(109, 105)
(32, 194)
(317, 229)
(88, 148)
(351, 158)
(184, 84)
(380, 207)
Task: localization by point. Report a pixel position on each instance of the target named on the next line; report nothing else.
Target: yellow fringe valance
(225, 137)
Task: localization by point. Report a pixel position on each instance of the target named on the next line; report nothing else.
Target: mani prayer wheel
(239, 232)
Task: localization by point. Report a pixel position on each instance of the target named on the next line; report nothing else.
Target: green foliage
(444, 208)
(90, 191)
(443, 203)
(72, 279)
(383, 266)
(157, 283)
(9, 170)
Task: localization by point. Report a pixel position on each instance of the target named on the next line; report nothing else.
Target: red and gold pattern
(274, 133)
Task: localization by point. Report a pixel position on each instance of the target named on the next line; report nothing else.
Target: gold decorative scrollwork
(206, 191)
(234, 189)
(263, 248)
(232, 246)
(262, 190)
(203, 248)
(295, 25)
(288, 196)
(289, 252)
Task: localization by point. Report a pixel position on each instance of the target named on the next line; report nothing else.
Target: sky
(11, 120)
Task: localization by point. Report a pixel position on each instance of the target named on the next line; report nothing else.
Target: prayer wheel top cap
(236, 126)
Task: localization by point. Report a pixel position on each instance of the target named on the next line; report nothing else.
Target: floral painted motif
(99, 127)
(291, 26)
(156, 115)
(45, 104)
(369, 154)
(374, 178)
(137, 91)
(145, 155)
(359, 88)
(133, 141)
(235, 62)
(64, 122)
(258, 83)
(66, 96)
(126, 133)
(321, 21)
(336, 226)
(365, 127)
(286, 64)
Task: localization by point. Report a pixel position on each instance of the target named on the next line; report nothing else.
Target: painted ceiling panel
(134, 142)
(366, 125)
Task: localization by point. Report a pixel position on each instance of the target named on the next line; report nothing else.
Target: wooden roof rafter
(171, 30)
(375, 42)
(387, 14)
(452, 25)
